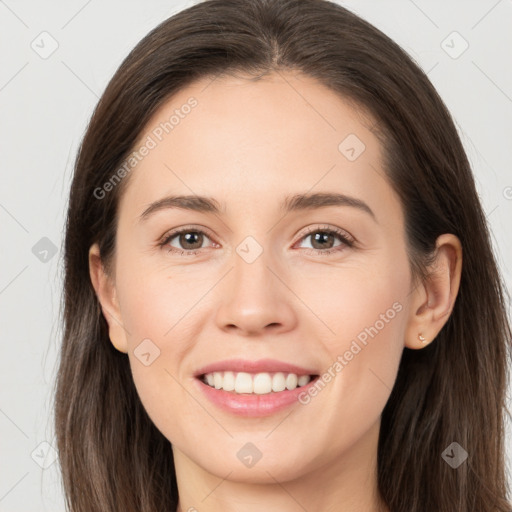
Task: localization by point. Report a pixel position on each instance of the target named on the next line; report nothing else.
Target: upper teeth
(259, 383)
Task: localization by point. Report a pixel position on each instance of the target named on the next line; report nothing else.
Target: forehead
(246, 140)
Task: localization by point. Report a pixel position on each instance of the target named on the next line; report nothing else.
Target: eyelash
(342, 235)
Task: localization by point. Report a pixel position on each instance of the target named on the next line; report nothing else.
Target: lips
(254, 388)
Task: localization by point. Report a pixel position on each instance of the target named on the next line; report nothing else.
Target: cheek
(360, 302)
(157, 346)
(365, 310)
(367, 316)
(370, 309)
(153, 301)
(160, 319)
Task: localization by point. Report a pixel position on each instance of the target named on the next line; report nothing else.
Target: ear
(433, 300)
(106, 292)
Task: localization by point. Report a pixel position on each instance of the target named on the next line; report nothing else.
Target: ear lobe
(433, 300)
(104, 287)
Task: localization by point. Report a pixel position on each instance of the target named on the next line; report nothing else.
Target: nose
(255, 298)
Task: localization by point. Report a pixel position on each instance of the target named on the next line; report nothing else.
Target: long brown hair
(112, 456)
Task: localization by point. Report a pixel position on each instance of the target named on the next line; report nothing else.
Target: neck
(347, 483)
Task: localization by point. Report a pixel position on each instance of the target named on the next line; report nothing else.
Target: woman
(248, 371)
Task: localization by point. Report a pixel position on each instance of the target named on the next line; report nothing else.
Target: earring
(422, 339)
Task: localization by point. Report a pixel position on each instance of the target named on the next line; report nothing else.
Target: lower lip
(253, 405)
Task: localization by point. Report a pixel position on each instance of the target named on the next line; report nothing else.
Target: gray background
(45, 103)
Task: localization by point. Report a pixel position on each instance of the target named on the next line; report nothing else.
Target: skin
(248, 145)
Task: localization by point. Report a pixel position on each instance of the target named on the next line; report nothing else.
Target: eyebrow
(297, 202)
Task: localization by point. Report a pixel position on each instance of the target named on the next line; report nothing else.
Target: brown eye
(323, 241)
(185, 241)
(190, 240)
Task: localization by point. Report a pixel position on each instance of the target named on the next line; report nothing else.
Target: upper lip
(259, 366)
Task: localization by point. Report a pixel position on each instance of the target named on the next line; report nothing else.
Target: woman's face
(301, 271)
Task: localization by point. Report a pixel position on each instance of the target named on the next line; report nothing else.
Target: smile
(259, 383)
(253, 388)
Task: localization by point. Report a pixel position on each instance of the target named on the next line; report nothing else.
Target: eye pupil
(321, 236)
(187, 238)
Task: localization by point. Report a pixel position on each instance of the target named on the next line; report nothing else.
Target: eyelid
(171, 233)
(325, 227)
